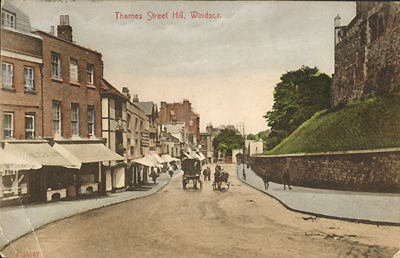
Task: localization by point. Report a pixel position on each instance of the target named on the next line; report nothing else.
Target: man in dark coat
(286, 179)
(266, 179)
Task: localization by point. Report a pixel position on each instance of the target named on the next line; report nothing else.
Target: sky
(227, 67)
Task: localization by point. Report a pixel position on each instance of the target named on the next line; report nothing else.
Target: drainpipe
(41, 97)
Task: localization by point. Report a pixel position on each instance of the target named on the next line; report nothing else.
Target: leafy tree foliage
(227, 140)
(297, 97)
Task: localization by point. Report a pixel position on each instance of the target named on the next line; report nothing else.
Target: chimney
(163, 104)
(52, 30)
(125, 91)
(64, 30)
(135, 98)
(337, 20)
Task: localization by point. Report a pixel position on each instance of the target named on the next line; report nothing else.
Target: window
(132, 150)
(118, 110)
(75, 119)
(91, 120)
(29, 78)
(141, 125)
(8, 125)
(57, 118)
(29, 126)
(8, 74)
(7, 19)
(90, 72)
(128, 121)
(73, 70)
(55, 65)
(136, 123)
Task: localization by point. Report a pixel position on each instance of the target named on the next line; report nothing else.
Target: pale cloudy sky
(226, 67)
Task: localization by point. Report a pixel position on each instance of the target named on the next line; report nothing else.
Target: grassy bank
(366, 124)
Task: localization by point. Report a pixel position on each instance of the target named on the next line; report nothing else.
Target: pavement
(364, 207)
(16, 221)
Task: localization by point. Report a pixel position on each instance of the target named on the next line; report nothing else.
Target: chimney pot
(66, 19)
(64, 30)
(52, 30)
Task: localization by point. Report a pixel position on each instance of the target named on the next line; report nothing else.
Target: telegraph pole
(244, 150)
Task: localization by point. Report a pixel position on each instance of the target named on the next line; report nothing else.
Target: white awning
(158, 158)
(168, 158)
(42, 153)
(11, 160)
(87, 152)
(146, 161)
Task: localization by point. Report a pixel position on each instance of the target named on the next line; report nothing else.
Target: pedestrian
(153, 176)
(205, 174)
(286, 179)
(209, 173)
(170, 171)
(266, 180)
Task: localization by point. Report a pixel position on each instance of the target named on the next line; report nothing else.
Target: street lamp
(244, 150)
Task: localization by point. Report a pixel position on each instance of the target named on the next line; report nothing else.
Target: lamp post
(244, 150)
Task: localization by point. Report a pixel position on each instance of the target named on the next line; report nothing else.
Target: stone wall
(374, 171)
(367, 52)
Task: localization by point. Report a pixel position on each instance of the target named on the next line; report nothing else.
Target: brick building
(367, 54)
(183, 112)
(21, 90)
(72, 76)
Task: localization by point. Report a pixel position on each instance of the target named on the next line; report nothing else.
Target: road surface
(240, 222)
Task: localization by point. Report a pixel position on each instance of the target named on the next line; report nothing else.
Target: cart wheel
(228, 185)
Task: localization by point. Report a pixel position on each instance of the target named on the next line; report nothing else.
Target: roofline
(110, 93)
(66, 41)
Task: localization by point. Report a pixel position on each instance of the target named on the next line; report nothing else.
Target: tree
(297, 97)
(227, 140)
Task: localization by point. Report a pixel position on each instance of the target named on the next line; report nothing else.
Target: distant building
(151, 111)
(367, 55)
(206, 142)
(183, 112)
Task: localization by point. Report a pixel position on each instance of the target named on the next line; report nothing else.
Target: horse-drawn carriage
(221, 180)
(191, 173)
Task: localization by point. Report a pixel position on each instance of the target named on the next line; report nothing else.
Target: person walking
(266, 180)
(286, 179)
(205, 174)
(209, 173)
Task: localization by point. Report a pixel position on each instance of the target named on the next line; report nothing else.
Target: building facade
(21, 91)
(72, 77)
(366, 52)
(183, 112)
(114, 130)
(151, 111)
